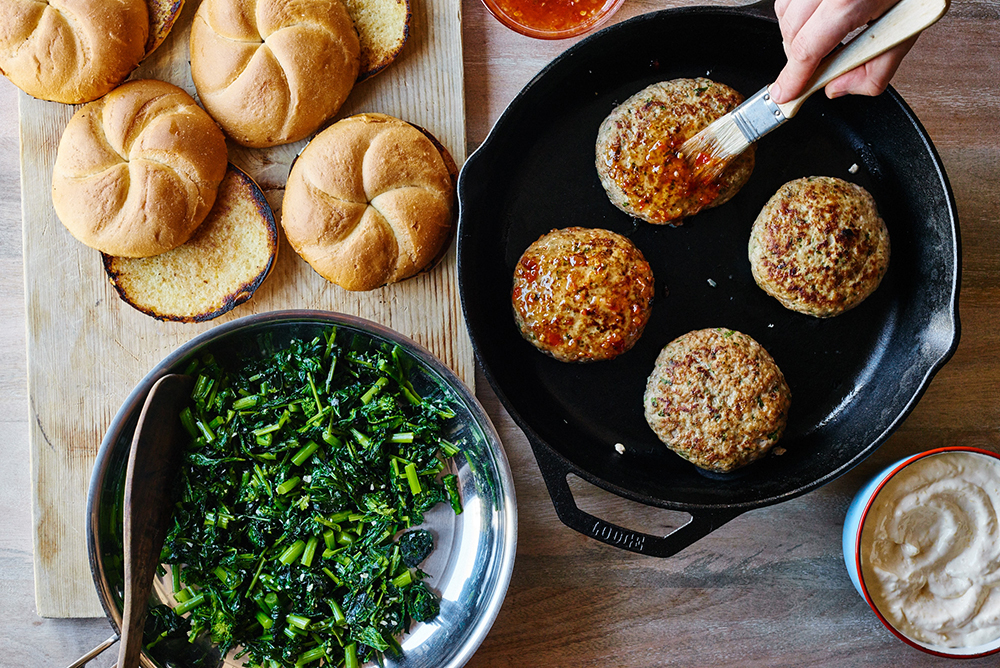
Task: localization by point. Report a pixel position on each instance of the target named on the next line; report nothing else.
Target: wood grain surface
(768, 589)
(86, 348)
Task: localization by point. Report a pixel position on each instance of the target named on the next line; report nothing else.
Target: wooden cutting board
(87, 349)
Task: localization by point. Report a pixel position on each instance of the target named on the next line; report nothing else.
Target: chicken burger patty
(637, 151)
(582, 295)
(717, 399)
(819, 246)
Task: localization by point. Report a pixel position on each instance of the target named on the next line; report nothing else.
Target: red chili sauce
(665, 180)
(551, 15)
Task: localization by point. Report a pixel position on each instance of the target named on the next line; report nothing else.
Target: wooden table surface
(767, 589)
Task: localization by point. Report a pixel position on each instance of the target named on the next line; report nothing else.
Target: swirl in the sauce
(931, 550)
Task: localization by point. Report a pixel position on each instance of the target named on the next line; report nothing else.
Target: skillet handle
(554, 471)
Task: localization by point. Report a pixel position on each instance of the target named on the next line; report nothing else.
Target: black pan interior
(853, 378)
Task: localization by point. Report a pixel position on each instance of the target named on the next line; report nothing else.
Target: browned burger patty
(717, 399)
(637, 146)
(819, 246)
(582, 295)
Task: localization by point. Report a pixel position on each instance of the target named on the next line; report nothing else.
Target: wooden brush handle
(904, 20)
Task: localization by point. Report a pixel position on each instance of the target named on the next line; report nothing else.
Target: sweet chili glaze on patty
(637, 151)
(717, 399)
(819, 246)
(582, 295)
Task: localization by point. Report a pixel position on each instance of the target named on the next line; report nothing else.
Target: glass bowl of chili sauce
(552, 19)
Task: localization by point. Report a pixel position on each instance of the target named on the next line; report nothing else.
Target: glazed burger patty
(637, 145)
(819, 246)
(717, 399)
(582, 295)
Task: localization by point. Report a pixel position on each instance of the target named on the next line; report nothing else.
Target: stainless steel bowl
(474, 554)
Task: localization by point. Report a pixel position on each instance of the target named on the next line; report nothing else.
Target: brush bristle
(714, 147)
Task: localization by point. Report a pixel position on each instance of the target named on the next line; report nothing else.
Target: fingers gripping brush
(715, 146)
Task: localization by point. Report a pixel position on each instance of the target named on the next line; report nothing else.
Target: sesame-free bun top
(71, 51)
(370, 201)
(273, 71)
(137, 170)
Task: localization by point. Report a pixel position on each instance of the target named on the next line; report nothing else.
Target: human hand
(811, 29)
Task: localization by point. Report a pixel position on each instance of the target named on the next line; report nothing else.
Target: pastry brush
(715, 146)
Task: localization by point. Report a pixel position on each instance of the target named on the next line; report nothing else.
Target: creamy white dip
(930, 550)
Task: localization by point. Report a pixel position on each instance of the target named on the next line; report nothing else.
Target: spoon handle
(152, 466)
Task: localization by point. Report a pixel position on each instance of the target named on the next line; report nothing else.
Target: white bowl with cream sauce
(922, 546)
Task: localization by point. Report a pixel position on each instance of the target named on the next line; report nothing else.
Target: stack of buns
(137, 176)
(138, 169)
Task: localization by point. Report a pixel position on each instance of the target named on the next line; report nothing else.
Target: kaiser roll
(137, 170)
(71, 51)
(272, 71)
(369, 201)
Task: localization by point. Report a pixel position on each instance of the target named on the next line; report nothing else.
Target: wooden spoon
(152, 468)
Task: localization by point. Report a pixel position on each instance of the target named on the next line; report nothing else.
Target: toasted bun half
(71, 51)
(370, 201)
(272, 71)
(218, 268)
(137, 170)
(383, 26)
(163, 14)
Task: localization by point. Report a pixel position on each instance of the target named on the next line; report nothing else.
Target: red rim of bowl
(607, 11)
(857, 552)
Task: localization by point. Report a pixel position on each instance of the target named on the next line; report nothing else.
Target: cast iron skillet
(854, 378)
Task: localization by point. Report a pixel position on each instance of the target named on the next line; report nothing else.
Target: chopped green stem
(187, 419)
(299, 621)
(310, 551)
(362, 440)
(351, 655)
(243, 403)
(411, 477)
(305, 452)
(292, 552)
(314, 654)
(312, 386)
(373, 390)
(289, 485)
(205, 430)
(448, 449)
(338, 612)
(190, 604)
(202, 387)
(335, 579)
